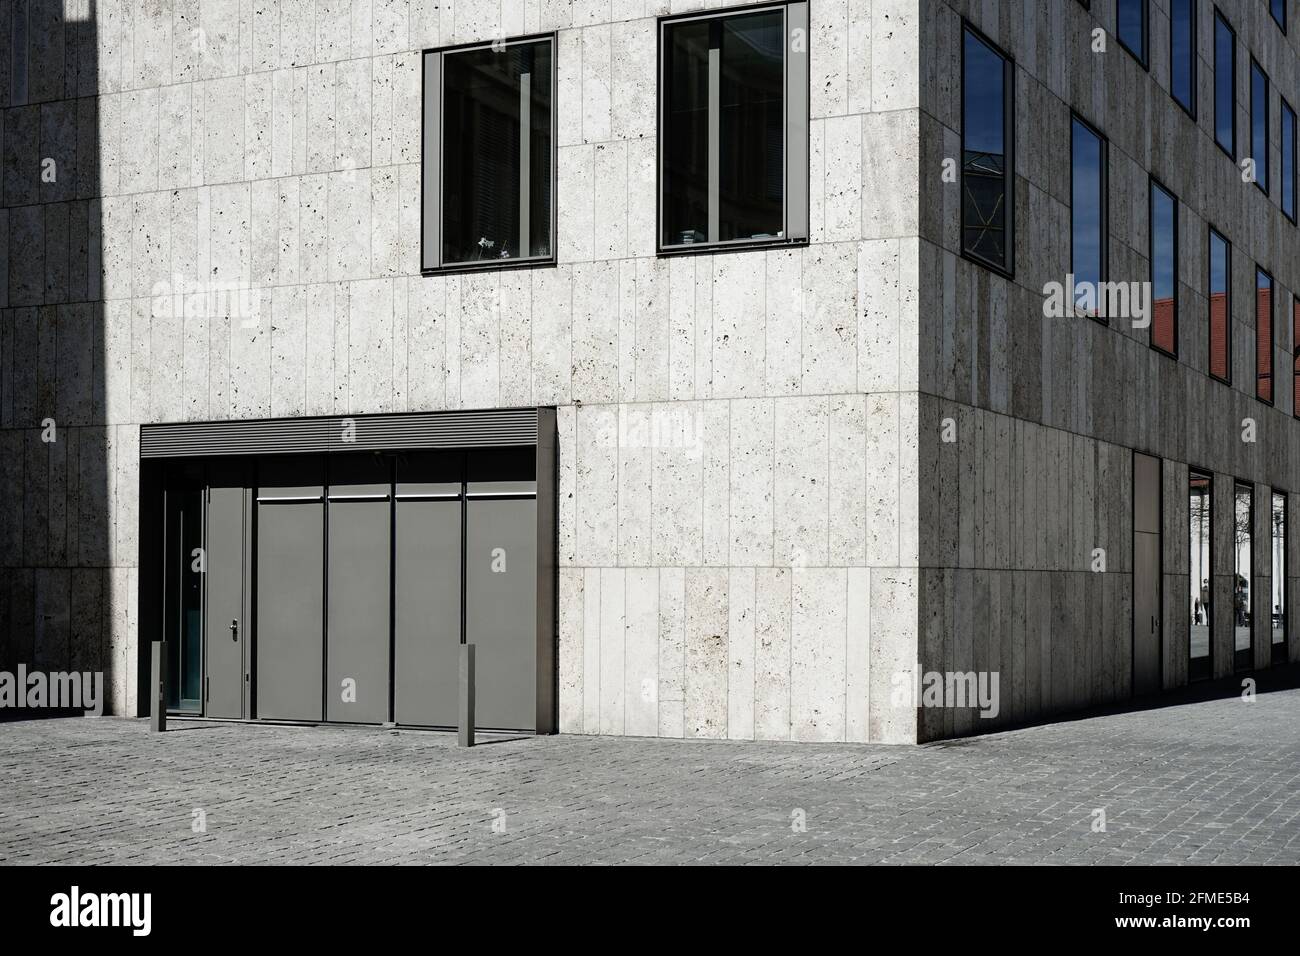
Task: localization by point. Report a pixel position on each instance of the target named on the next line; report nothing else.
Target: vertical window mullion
(715, 129)
(431, 180)
(796, 122)
(525, 160)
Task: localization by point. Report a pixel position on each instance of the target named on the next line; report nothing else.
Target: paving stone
(1214, 782)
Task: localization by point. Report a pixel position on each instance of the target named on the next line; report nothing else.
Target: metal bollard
(158, 675)
(466, 727)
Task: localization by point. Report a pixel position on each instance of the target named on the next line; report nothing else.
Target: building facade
(697, 362)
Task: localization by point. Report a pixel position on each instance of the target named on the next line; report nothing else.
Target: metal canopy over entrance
(336, 584)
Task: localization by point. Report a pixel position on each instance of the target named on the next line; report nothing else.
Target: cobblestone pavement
(1212, 782)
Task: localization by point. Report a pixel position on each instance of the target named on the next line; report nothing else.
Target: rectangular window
(988, 164)
(734, 120)
(1088, 218)
(1295, 356)
(489, 155)
(1288, 160)
(1182, 53)
(1132, 16)
(1259, 124)
(1225, 85)
(1202, 576)
(1164, 269)
(1220, 307)
(1279, 576)
(1278, 9)
(1263, 336)
(1243, 545)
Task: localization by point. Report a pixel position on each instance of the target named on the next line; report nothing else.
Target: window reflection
(184, 598)
(1132, 15)
(1201, 576)
(686, 137)
(1259, 124)
(1182, 44)
(1295, 355)
(1243, 543)
(1220, 307)
(1087, 217)
(724, 174)
(1225, 85)
(986, 172)
(1288, 160)
(751, 178)
(496, 169)
(1263, 335)
(1164, 269)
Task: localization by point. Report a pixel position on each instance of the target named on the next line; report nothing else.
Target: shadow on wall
(63, 604)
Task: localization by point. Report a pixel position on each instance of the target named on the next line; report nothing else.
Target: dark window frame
(1288, 157)
(1282, 24)
(1295, 355)
(1256, 69)
(1143, 58)
(1272, 335)
(1227, 310)
(797, 126)
(1104, 216)
(1009, 141)
(431, 167)
(1230, 150)
(1189, 109)
(1152, 185)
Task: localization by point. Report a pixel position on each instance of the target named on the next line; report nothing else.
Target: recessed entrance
(339, 586)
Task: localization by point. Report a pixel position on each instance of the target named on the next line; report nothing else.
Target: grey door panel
(1146, 494)
(224, 577)
(427, 608)
(358, 608)
(501, 609)
(290, 592)
(1146, 613)
(1147, 626)
(358, 475)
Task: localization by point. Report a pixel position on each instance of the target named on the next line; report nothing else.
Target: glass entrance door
(183, 603)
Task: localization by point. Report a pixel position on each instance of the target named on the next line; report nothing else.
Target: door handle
(234, 630)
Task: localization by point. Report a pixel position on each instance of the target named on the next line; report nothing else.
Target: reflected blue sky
(1086, 206)
(1224, 67)
(985, 98)
(1132, 25)
(1218, 264)
(1288, 160)
(1163, 265)
(1259, 124)
(1182, 16)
